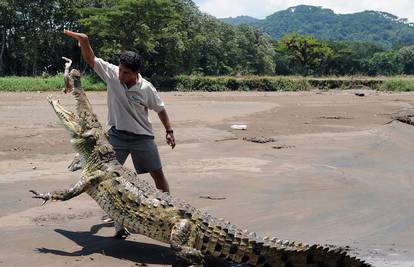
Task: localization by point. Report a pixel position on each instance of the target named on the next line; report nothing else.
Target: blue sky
(262, 8)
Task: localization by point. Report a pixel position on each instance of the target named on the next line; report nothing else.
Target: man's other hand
(170, 139)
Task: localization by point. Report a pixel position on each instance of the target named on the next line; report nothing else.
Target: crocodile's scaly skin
(143, 209)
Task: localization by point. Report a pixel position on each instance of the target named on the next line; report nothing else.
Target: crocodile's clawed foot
(75, 164)
(68, 85)
(45, 197)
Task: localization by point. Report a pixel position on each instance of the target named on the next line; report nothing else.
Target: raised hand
(76, 35)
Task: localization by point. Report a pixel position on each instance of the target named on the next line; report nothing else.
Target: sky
(262, 8)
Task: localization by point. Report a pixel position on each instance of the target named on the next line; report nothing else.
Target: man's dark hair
(131, 60)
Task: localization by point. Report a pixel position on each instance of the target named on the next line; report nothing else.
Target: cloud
(263, 8)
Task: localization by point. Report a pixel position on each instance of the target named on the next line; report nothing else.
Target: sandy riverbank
(336, 173)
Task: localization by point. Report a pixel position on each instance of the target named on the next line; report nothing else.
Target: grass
(292, 83)
(404, 85)
(51, 83)
(223, 83)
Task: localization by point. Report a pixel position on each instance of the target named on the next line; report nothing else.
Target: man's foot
(120, 231)
(121, 234)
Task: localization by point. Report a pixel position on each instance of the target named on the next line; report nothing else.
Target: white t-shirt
(128, 108)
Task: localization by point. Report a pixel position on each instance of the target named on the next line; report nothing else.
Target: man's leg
(160, 180)
(121, 155)
(146, 158)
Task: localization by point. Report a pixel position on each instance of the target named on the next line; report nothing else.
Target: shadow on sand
(122, 249)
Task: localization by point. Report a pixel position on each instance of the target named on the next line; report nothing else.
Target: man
(129, 98)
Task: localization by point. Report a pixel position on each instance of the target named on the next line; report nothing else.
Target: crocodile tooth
(252, 235)
(231, 230)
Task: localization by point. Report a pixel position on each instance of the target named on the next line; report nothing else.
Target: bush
(252, 83)
(326, 84)
(397, 85)
(220, 83)
(45, 83)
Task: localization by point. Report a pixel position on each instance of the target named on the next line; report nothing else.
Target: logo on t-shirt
(137, 100)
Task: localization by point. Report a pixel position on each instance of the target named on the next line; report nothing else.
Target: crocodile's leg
(180, 235)
(72, 192)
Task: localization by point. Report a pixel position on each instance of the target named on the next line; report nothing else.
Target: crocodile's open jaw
(69, 119)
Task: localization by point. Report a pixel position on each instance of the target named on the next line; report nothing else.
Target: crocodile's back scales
(134, 209)
(154, 214)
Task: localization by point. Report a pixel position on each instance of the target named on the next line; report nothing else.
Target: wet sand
(337, 172)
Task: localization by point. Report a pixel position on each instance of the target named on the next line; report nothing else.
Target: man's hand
(169, 136)
(80, 37)
(170, 139)
(83, 41)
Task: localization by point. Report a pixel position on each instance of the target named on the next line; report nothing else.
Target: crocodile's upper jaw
(83, 139)
(69, 119)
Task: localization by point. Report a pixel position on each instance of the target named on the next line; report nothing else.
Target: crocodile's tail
(243, 247)
(283, 253)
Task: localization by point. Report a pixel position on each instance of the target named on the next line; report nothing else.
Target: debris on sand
(226, 139)
(239, 127)
(212, 197)
(19, 149)
(405, 116)
(360, 94)
(283, 147)
(260, 139)
(335, 118)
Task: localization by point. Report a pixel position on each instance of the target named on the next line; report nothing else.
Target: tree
(32, 39)
(305, 54)
(406, 54)
(174, 38)
(385, 63)
(350, 57)
(257, 51)
(148, 26)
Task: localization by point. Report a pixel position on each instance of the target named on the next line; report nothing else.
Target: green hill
(241, 20)
(376, 27)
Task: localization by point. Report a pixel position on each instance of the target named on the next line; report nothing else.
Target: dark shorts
(143, 150)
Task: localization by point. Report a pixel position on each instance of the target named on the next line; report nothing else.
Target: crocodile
(142, 209)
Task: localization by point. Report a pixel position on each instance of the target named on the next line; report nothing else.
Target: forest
(176, 38)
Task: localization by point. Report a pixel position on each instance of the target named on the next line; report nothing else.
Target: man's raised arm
(86, 49)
